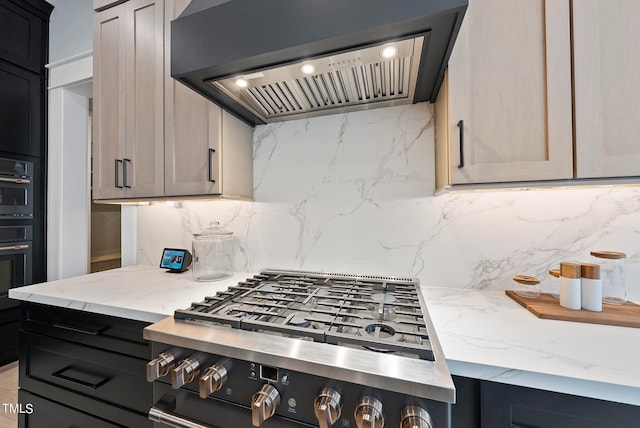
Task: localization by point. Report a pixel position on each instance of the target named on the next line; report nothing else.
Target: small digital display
(269, 373)
(172, 259)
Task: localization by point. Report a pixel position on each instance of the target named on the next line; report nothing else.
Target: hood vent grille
(340, 81)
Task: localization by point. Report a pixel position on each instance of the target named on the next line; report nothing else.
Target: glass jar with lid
(527, 286)
(613, 274)
(213, 253)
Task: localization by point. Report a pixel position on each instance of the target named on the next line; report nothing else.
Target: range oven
(286, 349)
(15, 260)
(16, 189)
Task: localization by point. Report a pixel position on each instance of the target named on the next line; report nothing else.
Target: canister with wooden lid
(570, 297)
(591, 287)
(614, 276)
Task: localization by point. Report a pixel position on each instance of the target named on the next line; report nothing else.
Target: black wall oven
(16, 259)
(16, 189)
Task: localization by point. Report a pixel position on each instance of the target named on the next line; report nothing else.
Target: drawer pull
(160, 412)
(80, 377)
(94, 330)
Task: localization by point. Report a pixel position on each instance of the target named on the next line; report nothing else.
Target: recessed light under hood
(268, 61)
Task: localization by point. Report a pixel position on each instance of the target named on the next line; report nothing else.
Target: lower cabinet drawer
(108, 376)
(40, 412)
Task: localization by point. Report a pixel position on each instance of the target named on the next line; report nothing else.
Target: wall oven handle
(15, 247)
(15, 180)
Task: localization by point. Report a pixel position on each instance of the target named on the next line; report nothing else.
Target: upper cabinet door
(607, 87)
(21, 37)
(509, 81)
(109, 50)
(21, 104)
(193, 130)
(144, 83)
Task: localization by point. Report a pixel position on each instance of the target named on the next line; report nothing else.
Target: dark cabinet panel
(86, 366)
(21, 36)
(9, 323)
(45, 412)
(514, 406)
(21, 106)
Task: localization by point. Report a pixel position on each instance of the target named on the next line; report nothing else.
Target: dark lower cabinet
(9, 322)
(82, 369)
(466, 412)
(505, 406)
(484, 404)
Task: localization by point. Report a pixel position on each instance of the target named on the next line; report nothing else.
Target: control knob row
(369, 414)
(212, 380)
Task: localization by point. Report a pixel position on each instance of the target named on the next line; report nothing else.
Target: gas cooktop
(373, 331)
(381, 314)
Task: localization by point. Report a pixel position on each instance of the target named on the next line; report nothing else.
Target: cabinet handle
(211, 153)
(78, 329)
(461, 126)
(124, 173)
(118, 173)
(74, 375)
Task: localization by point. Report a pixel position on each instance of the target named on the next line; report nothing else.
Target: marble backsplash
(353, 193)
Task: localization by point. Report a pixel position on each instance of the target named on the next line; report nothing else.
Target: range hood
(268, 61)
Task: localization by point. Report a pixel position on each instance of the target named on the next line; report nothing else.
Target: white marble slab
(354, 193)
(486, 335)
(483, 333)
(143, 293)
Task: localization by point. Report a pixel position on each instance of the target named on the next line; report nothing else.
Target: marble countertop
(484, 334)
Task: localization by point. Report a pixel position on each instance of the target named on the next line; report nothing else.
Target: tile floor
(8, 394)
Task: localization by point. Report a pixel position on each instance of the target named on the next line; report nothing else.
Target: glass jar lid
(213, 231)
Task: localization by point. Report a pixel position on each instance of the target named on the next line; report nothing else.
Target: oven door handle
(15, 180)
(15, 247)
(161, 412)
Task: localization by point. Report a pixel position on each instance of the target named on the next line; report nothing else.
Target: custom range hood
(272, 60)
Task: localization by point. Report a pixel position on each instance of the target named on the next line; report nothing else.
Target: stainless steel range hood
(268, 61)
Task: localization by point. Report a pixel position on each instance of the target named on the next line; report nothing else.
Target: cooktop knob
(162, 364)
(415, 417)
(368, 413)
(186, 371)
(328, 407)
(263, 404)
(213, 379)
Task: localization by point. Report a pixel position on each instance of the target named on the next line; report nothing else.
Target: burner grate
(381, 314)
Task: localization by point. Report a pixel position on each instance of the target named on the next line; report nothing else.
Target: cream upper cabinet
(207, 151)
(154, 137)
(128, 101)
(109, 103)
(504, 111)
(607, 89)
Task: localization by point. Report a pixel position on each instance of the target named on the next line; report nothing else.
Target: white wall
(70, 29)
(353, 193)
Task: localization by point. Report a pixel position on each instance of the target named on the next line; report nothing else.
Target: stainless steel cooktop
(369, 330)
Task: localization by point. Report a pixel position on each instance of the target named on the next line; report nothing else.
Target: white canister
(591, 287)
(570, 297)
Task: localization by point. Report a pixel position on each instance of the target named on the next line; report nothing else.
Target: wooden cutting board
(547, 307)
